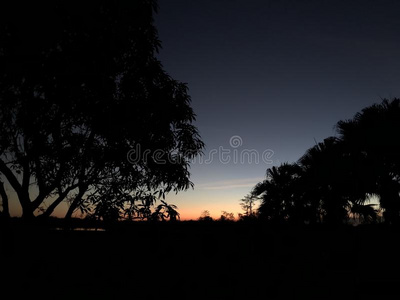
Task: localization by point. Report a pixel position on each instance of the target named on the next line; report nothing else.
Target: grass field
(195, 260)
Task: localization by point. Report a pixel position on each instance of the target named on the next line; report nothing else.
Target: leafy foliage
(205, 216)
(336, 177)
(227, 216)
(80, 88)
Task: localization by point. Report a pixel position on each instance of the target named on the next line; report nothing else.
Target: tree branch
(12, 179)
(75, 203)
(23, 195)
(44, 190)
(27, 172)
(56, 202)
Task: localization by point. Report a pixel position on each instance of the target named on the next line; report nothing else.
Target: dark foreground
(192, 260)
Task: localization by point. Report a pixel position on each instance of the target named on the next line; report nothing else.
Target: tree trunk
(27, 210)
(4, 197)
(52, 206)
(22, 191)
(56, 202)
(27, 213)
(75, 203)
(71, 209)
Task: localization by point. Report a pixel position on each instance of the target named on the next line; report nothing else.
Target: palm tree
(365, 213)
(374, 135)
(327, 182)
(335, 177)
(279, 194)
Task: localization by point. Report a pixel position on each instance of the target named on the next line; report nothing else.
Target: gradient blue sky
(279, 74)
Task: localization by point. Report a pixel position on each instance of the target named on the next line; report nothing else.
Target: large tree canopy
(80, 87)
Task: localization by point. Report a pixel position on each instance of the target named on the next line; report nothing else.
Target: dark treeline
(335, 180)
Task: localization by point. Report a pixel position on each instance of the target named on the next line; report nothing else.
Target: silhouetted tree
(336, 177)
(227, 216)
(247, 204)
(205, 216)
(372, 138)
(165, 211)
(108, 212)
(80, 86)
(333, 180)
(315, 189)
(279, 194)
(325, 174)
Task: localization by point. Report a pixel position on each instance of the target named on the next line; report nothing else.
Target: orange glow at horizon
(190, 203)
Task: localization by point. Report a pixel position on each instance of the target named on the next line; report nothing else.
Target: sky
(269, 79)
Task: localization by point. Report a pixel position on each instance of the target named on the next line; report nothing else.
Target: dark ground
(194, 260)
